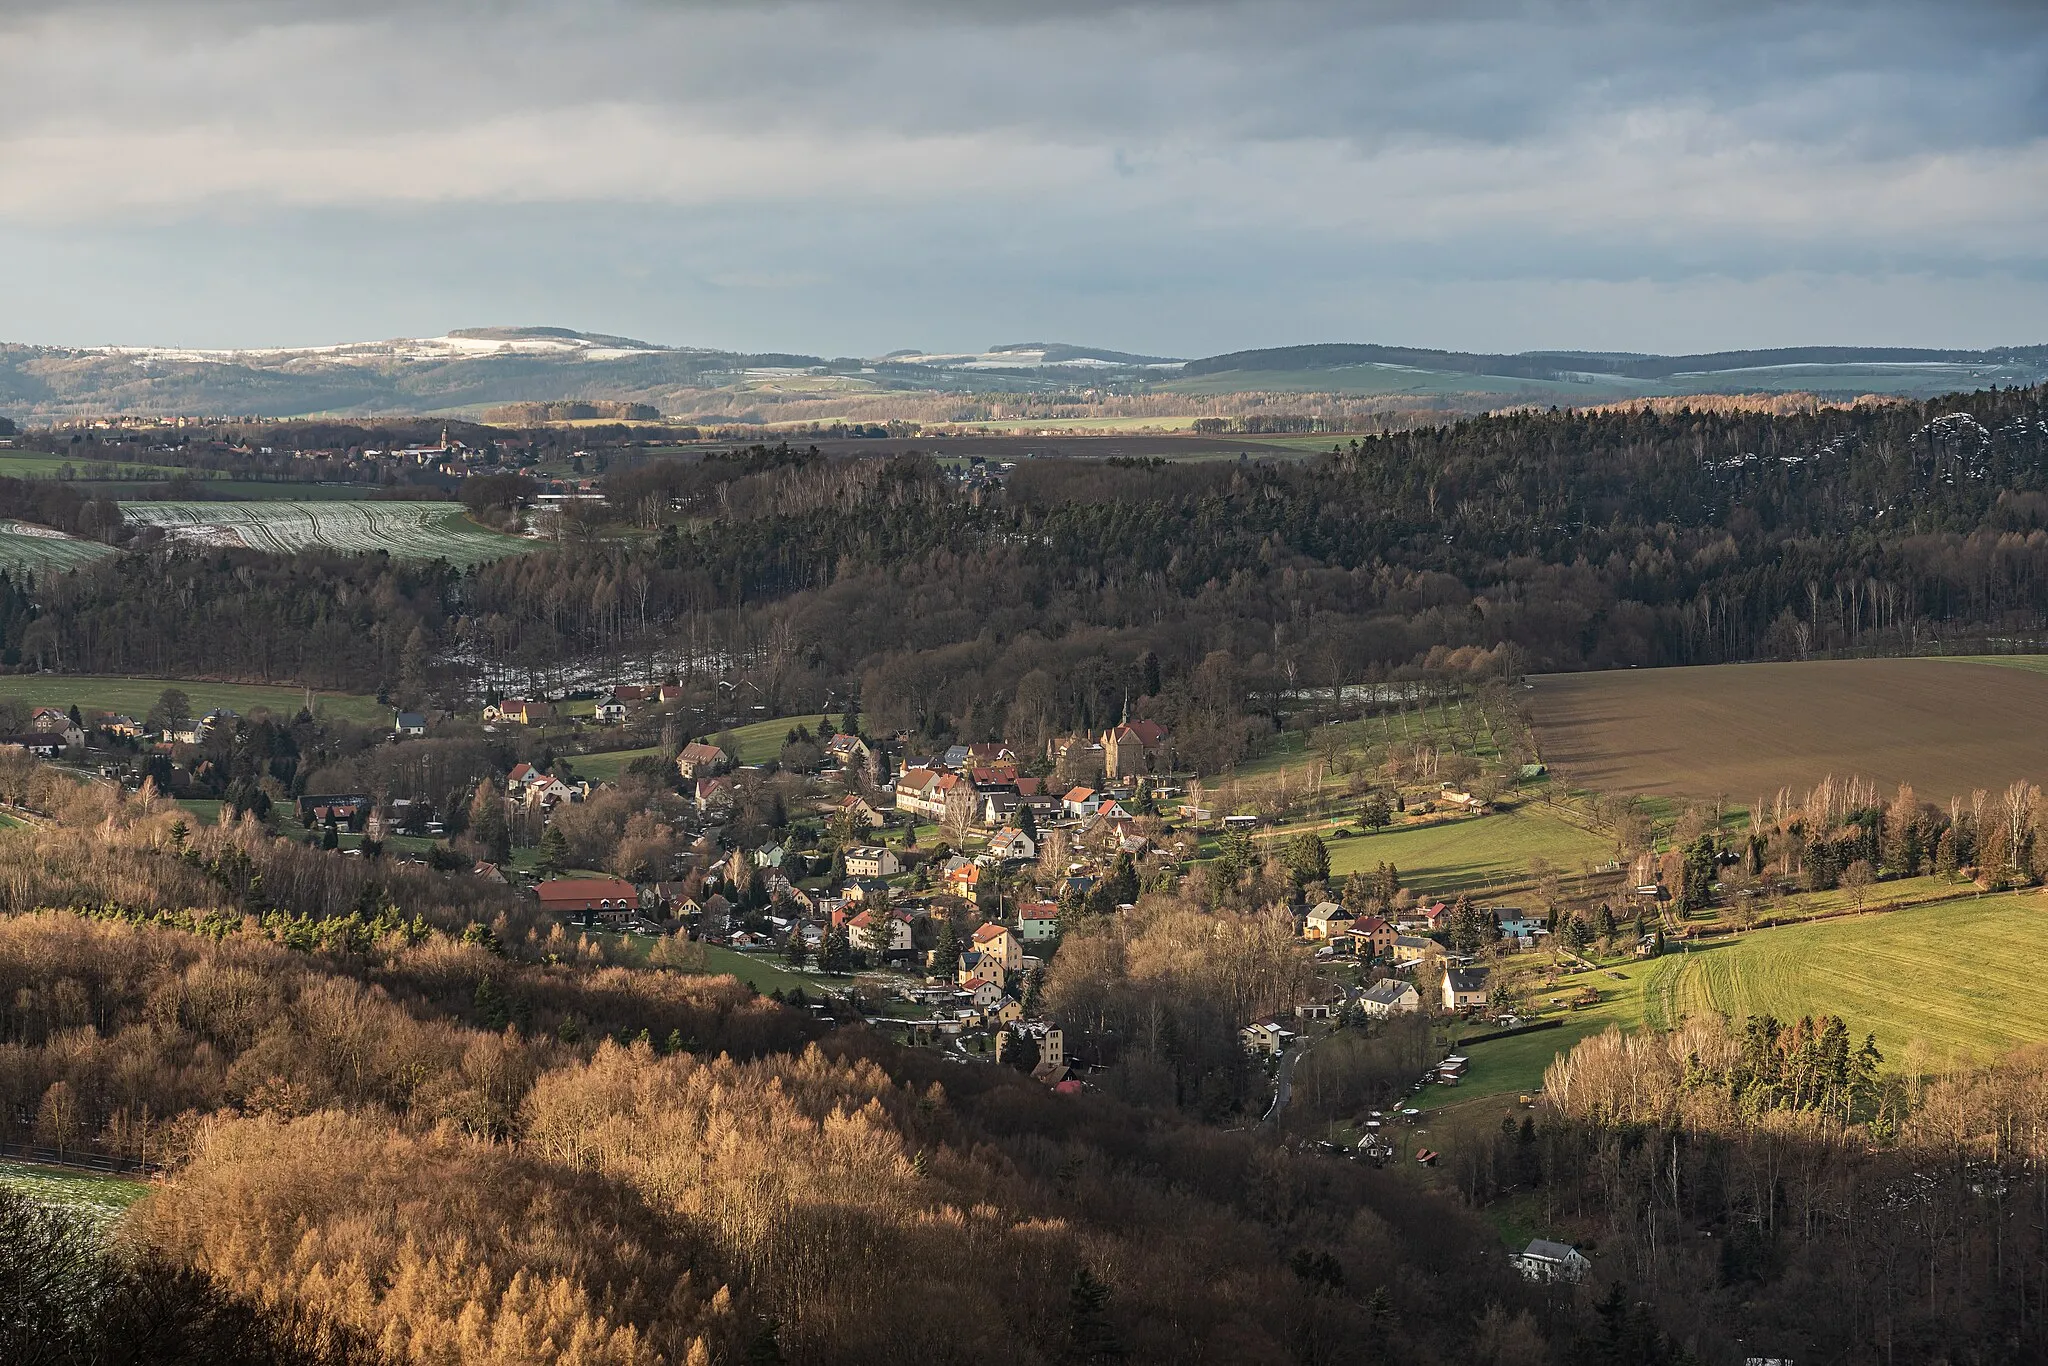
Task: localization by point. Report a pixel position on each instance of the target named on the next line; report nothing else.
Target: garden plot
(408, 530)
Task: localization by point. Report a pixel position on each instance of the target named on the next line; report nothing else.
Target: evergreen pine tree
(946, 952)
(554, 852)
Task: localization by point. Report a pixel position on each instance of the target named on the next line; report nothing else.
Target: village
(924, 890)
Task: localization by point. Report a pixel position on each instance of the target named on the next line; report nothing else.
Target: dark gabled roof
(1387, 992)
(1466, 979)
(1544, 1250)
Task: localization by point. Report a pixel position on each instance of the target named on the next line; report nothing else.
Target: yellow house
(1325, 921)
(999, 943)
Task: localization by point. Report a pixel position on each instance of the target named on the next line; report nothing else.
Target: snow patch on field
(403, 530)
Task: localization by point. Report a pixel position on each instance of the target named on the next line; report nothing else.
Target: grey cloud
(1883, 76)
(1214, 173)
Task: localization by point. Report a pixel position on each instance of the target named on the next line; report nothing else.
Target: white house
(862, 932)
(1390, 997)
(872, 860)
(982, 992)
(1544, 1260)
(1464, 988)
(1012, 846)
(1082, 802)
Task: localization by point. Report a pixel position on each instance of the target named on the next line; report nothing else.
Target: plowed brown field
(1743, 730)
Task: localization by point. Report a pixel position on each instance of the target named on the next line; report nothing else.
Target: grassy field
(1511, 1066)
(1744, 730)
(765, 973)
(1474, 854)
(761, 741)
(410, 530)
(135, 696)
(26, 546)
(101, 1199)
(1934, 984)
(1960, 977)
(2031, 663)
(606, 768)
(42, 465)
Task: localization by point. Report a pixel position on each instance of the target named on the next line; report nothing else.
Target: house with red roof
(1038, 921)
(699, 760)
(1000, 944)
(608, 899)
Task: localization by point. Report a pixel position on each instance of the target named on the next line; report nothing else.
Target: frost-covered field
(100, 1199)
(409, 530)
(24, 545)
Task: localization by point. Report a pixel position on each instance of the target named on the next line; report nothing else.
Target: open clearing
(1961, 977)
(1743, 730)
(761, 741)
(608, 767)
(407, 530)
(1474, 854)
(135, 696)
(101, 1199)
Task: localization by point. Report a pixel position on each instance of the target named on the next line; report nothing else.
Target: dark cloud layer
(1216, 172)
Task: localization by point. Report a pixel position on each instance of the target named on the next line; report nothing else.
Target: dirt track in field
(1744, 730)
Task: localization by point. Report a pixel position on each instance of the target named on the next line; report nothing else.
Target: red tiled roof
(586, 892)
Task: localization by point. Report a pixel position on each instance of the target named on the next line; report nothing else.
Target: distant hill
(470, 371)
(1587, 376)
(463, 371)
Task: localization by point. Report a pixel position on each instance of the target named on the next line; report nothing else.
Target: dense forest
(1569, 540)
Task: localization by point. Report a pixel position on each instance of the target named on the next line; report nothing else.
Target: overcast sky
(1181, 178)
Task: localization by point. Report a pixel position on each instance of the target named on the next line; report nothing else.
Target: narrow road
(1283, 1089)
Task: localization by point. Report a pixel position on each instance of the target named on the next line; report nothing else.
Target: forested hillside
(425, 1131)
(1571, 540)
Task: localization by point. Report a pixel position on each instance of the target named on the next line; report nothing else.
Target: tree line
(1572, 540)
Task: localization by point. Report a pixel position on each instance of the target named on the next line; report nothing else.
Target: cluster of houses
(894, 901)
(53, 730)
(599, 706)
(981, 993)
